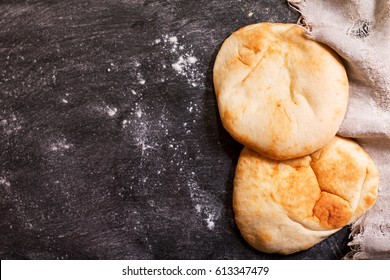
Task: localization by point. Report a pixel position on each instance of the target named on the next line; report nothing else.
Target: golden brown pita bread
(288, 206)
(278, 92)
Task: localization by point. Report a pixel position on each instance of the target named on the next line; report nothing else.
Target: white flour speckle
(205, 205)
(178, 66)
(192, 59)
(140, 78)
(60, 145)
(64, 100)
(140, 129)
(173, 40)
(111, 111)
(4, 182)
(124, 123)
(210, 221)
(138, 112)
(183, 61)
(133, 92)
(250, 14)
(198, 208)
(10, 124)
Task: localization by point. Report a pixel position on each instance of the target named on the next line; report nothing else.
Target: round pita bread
(289, 206)
(278, 92)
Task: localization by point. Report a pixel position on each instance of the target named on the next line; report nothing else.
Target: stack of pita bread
(284, 97)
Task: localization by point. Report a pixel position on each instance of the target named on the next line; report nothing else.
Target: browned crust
(299, 192)
(253, 47)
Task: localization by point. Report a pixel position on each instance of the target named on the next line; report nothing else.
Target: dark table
(111, 146)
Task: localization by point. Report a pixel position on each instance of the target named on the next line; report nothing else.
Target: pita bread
(278, 92)
(289, 206)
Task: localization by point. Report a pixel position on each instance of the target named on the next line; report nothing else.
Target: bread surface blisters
(278, 92)
(291, 205)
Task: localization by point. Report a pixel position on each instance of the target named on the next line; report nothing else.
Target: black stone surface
(111, 145)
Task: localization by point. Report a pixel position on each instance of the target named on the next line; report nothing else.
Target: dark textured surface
(110, 141)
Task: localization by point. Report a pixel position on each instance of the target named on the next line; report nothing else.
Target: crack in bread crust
(332, 210)
(252, 68)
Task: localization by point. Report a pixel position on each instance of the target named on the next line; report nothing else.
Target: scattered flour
(140, 78)
(198, 208)
(205, 205)
(60, 145)
(192, 107)
(124, 123)
(105, 109)
(178, 66)
(111, 111)
(4, 182)
(184, 63)
(138, 112)
(173, 40)
(10, 124)
(210, 221)
(192, 59)
(140, 128)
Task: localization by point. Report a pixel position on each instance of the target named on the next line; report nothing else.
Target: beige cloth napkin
(359, 30)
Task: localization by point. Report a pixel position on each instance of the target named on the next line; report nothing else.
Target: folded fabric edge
(357, 229)
(297, 5)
